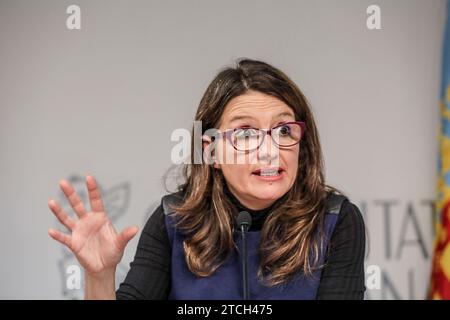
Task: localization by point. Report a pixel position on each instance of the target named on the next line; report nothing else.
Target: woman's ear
(208, 151)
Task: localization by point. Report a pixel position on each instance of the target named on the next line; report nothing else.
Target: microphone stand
(246, 291)
(244, 221)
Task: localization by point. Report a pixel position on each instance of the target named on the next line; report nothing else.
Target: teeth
(269, 173)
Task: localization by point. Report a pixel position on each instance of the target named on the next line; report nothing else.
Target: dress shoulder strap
(171, 199)
(334, 202)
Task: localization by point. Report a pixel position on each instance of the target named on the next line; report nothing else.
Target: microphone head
(244, 219)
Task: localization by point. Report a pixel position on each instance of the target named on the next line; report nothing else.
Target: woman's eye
(284, 130)
(245, 133)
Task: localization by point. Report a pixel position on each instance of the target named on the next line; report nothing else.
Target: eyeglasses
(287, 134)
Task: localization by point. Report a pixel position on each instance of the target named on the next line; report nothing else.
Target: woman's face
(240, 168)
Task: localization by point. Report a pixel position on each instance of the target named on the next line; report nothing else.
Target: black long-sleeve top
(342, 277)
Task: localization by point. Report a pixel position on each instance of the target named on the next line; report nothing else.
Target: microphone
(244, 221)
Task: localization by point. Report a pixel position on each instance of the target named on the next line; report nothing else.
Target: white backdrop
(104, 100)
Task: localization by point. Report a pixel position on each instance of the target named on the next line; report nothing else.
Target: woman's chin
(268, 194)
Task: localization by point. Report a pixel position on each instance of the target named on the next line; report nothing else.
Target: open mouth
(268, 172)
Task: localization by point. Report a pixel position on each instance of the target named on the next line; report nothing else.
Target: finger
(126, 235)
(73, 198)
(95, 198)
(62, 216)
(60, 237)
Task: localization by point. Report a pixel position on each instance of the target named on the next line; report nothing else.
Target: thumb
(126, 235)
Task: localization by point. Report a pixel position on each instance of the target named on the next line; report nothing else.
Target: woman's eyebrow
(285, 114)
(243, 117)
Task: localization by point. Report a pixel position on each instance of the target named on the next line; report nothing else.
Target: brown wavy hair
(292, 235)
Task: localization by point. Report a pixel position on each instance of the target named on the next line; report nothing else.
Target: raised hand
(93, 239)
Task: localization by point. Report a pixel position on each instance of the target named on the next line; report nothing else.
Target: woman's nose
(268, 151)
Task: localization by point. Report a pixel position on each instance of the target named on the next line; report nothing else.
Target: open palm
(93, 240)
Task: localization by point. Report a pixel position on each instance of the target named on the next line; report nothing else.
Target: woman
(262, 155)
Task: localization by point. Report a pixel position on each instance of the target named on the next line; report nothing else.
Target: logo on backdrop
(116, 200)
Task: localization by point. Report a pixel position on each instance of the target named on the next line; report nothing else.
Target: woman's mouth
(269, 173)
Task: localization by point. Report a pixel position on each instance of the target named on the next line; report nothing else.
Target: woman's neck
(241, 207)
